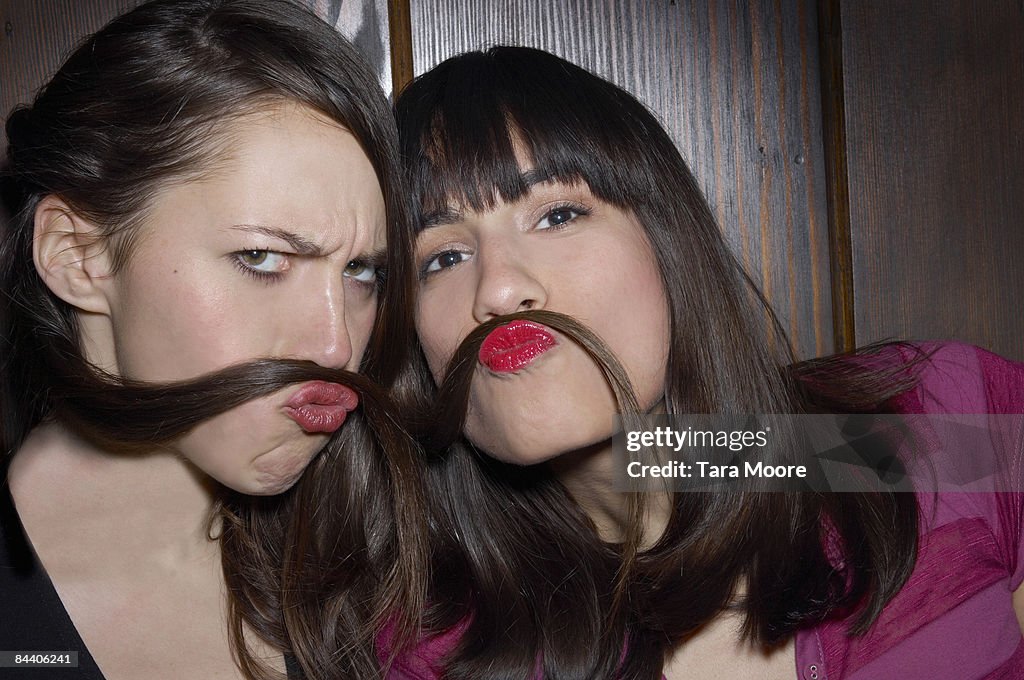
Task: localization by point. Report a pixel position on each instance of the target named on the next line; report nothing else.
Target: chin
(274, 472)
(536, 445)
(273, 487)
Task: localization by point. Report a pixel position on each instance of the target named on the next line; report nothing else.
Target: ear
(71, 256)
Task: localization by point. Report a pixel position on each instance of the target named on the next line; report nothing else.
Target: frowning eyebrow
(305, 247)
(375, 258)
(301, 245)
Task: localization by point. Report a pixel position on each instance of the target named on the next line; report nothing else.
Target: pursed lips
(515, 345)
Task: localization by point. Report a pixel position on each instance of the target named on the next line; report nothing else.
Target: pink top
(954, 617)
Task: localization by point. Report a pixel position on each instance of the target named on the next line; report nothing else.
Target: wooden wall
(863, 158)
(934, 96)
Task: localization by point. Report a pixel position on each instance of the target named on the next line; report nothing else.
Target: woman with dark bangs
(552, 202)
(196, 481)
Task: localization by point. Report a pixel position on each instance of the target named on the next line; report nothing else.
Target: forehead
(290, 167)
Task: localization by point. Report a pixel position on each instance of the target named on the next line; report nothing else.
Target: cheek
(649, 354)
(168, 328)
(629, 310)
(359, 323)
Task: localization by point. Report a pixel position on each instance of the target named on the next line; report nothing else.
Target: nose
(326, 339)
(507, 283)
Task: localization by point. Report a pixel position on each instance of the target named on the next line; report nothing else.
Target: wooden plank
(833, 113)
(400, 28)
(934, 108)
(737, 87)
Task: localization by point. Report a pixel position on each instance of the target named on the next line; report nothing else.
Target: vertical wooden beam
(400, 31)
(837, 187)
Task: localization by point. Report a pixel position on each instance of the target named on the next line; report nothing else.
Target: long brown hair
(524, 563)
(315, 570)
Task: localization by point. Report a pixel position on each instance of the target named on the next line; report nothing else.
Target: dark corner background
(865, 158)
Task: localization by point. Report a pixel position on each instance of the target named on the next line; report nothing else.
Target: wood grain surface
(935, 128)
(837, 185)
(400, 32)
(736, 85)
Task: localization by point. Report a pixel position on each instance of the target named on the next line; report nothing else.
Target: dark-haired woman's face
(535, 393)
(269, 255)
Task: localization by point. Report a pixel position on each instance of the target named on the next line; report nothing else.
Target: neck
(151, 503)
(590, 475)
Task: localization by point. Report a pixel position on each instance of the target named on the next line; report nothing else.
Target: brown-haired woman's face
(536, 394)
(269, 255)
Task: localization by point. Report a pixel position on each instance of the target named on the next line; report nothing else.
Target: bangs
(484, 127)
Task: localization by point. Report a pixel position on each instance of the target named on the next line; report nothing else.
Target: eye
(261, 263)
(445, 260)
(559, 216)
(360, 271)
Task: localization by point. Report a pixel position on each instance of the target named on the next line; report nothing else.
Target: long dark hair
(543, 586)
(315, 570)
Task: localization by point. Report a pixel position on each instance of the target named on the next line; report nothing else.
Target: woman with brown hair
(197, 483)
(570, 268)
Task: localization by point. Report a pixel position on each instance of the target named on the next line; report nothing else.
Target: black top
(32, 617)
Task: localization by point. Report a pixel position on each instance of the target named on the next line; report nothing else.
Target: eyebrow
(375, 258)
(301, 245)
(449, 215)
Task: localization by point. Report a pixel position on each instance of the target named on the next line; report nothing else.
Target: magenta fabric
(954, 618)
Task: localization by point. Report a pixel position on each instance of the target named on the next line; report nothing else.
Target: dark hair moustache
(121, 415)
(449, 414)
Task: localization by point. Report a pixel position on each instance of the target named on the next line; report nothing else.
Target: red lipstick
(514, 346)
(320, 406)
